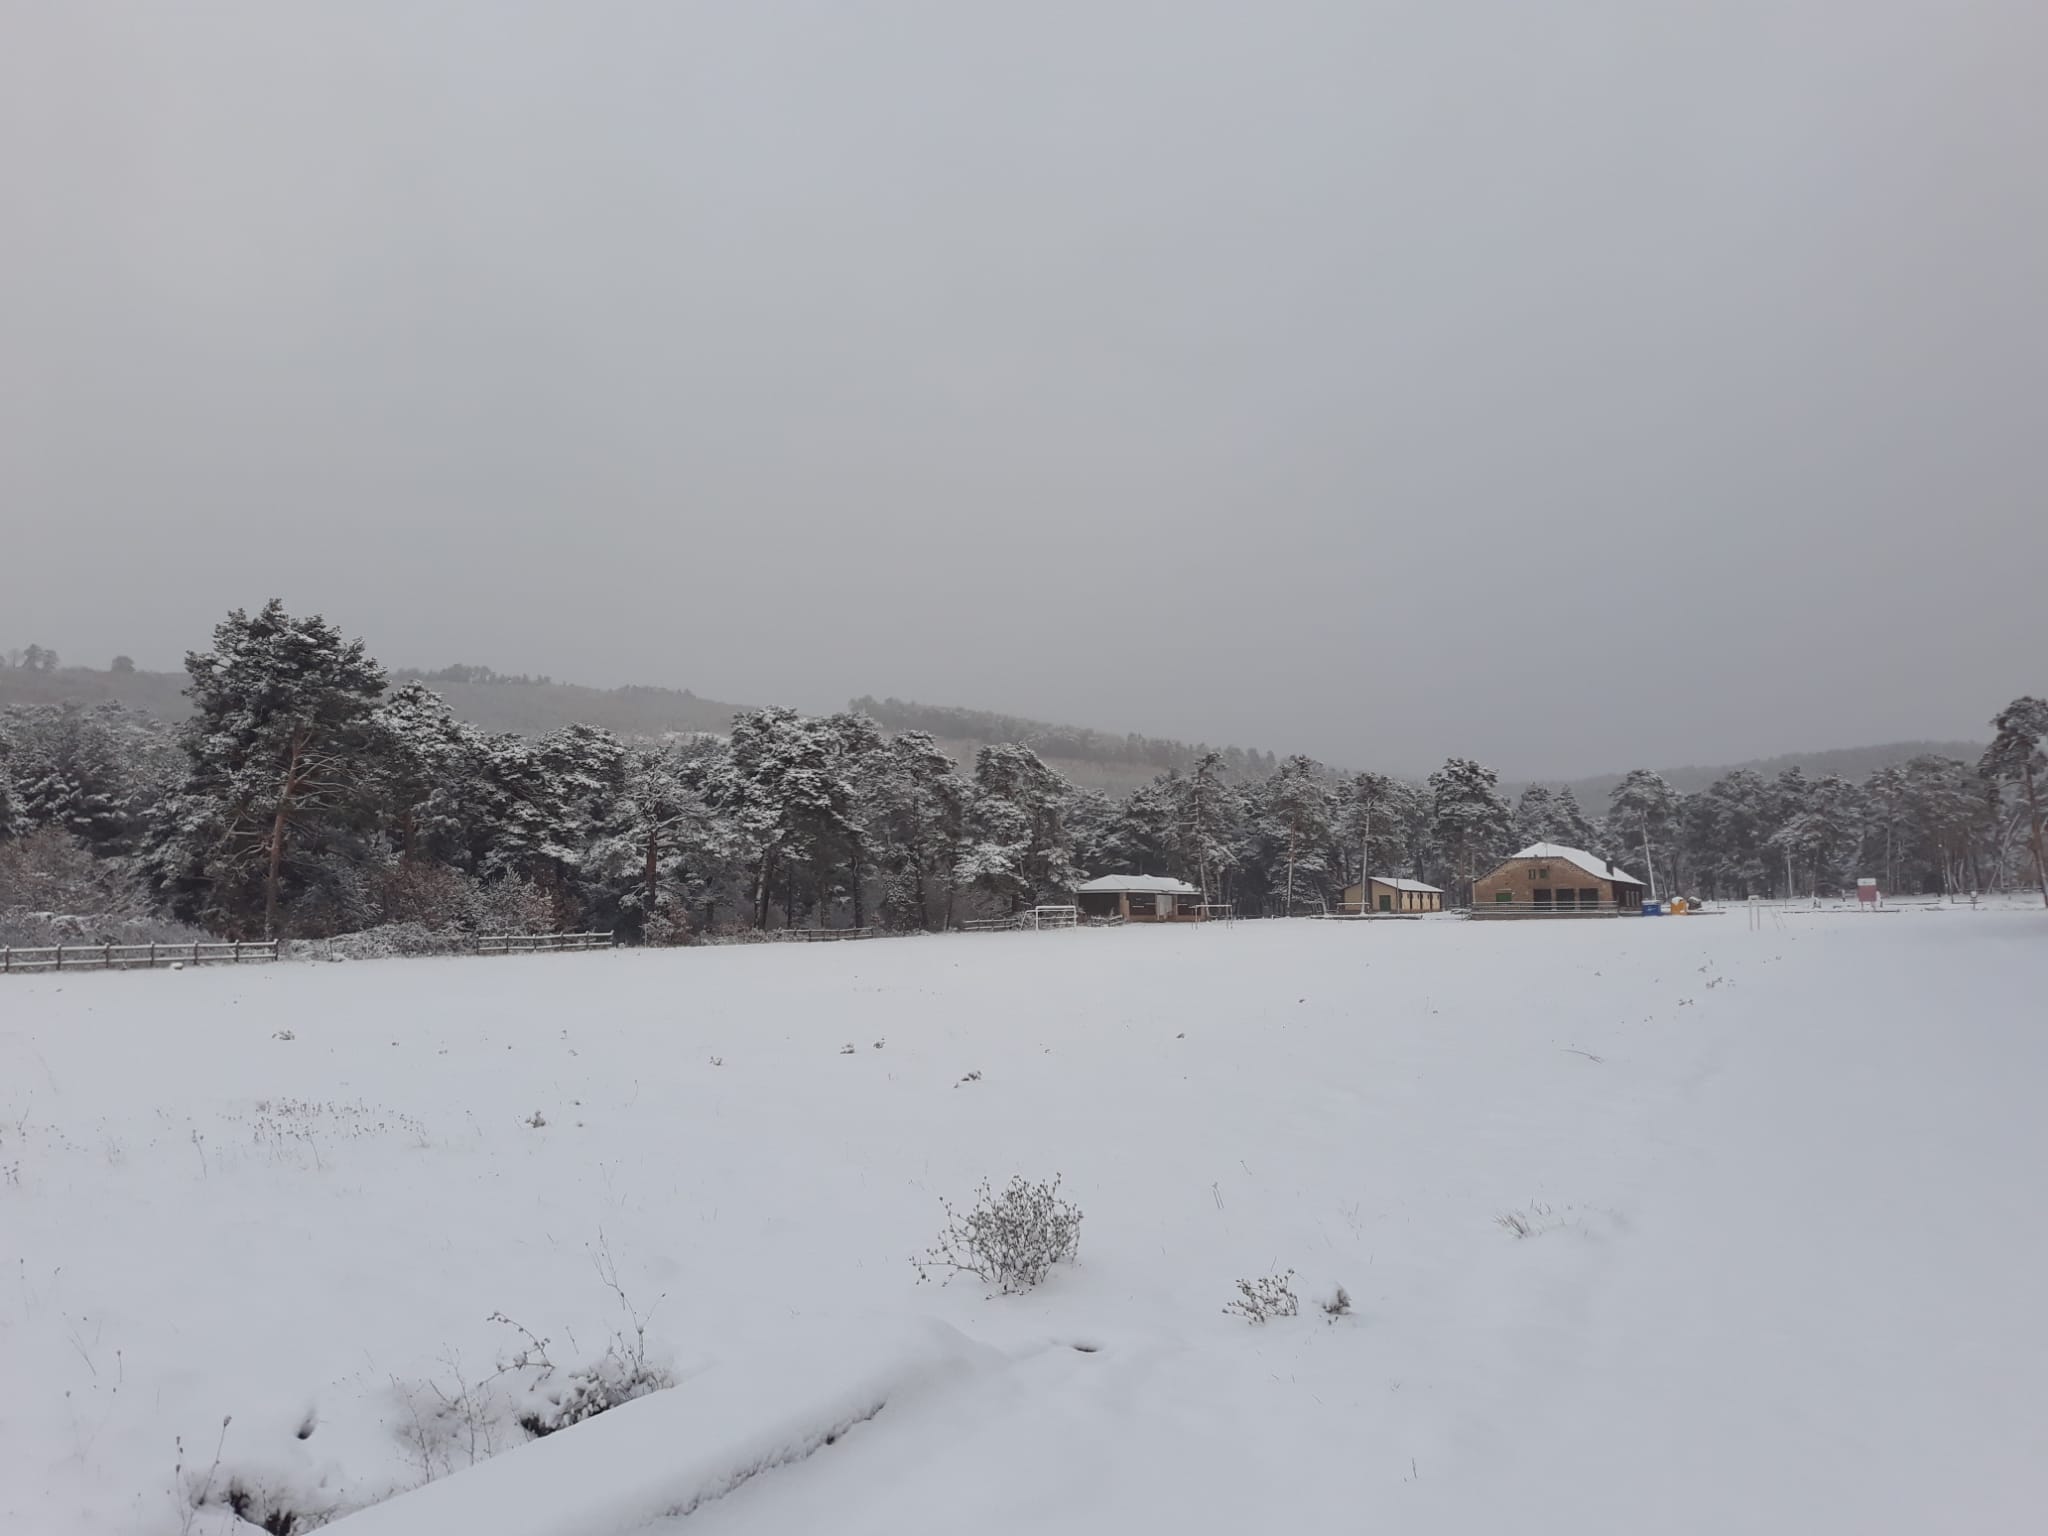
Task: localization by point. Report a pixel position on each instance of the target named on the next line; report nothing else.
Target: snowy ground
(1784, 1268)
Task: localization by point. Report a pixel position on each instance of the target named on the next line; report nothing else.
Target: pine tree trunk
(2034, 816)
(284, 806)
(270, 879)
(653, 866)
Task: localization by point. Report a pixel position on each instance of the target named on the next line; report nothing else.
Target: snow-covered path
(1781, 1272)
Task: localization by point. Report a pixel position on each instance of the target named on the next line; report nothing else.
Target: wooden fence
(539, 943)
(124, 957)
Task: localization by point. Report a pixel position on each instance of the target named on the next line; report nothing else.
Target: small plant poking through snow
(972, 1077)
(1337, 1306)
(193, 1494)
(538, 1120)
(622, 1373)
(1009, 1239)
(1532, 1220)
(460, 1422)
(1262, 1300)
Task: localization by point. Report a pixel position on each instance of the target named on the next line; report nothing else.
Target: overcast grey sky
(1575, 385)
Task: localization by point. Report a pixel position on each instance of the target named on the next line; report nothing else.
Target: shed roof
(1153, 884)
(1591, 863)
(1393, 882)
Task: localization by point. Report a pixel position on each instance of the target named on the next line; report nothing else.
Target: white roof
(1161, 884)
(1592, 864)
(1396, 884)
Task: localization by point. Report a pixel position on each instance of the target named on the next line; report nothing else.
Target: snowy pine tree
(2016, 756)
(1208, 827)
(1643, 809)
(92, 773)
(1472, 824)
(913, 814)
(6, 784)
(1016, 846)
(1294, 824)
(1370, 817)
(274, 807)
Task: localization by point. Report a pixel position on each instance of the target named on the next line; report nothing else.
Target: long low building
(1391, 894)
(1551, 880)
(1141, 899)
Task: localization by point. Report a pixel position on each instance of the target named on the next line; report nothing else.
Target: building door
(1589, 899)
(1543, 897)
(1386, 902)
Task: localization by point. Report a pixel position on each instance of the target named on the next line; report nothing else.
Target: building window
(1503, 895)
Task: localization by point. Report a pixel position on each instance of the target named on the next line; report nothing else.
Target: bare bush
(391, 940)
(1262, 1300)
(53, 891)
(1336, 1306)
(511, 905)
(1009, 1240)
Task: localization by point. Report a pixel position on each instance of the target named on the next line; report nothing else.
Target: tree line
(305, 796)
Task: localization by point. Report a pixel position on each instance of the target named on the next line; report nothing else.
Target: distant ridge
(533, 706)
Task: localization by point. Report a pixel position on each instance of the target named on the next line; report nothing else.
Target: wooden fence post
(60, 957)
(107, 957)
(152, 954)
(238, 951)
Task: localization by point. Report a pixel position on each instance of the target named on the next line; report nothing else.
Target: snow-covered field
(1782, 1189)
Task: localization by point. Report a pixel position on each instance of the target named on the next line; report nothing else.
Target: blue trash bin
(1653, 909)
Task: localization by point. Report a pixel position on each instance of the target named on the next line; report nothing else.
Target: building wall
(1398, 900)
(1522, 878)
(1140, 906)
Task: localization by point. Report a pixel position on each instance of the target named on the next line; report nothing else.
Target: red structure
(1868, 894)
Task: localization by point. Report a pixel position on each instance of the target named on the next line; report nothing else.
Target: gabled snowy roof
(1159, 884)
(1591, 863)
(1394, 883)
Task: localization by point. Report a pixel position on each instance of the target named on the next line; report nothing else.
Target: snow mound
(670, 1452)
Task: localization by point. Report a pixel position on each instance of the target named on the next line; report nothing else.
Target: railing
(1504, 909)
(816, 935)
(1034, 918)
(539, 943)
(123, 957)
